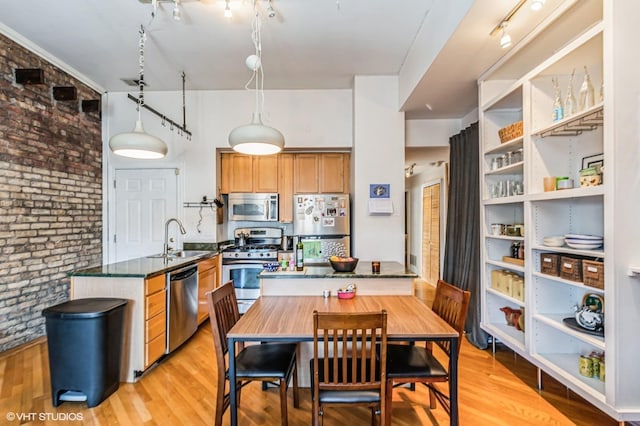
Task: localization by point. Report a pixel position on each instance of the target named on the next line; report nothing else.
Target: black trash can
(84, 338)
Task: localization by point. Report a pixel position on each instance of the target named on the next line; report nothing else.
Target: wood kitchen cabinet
(155, 318)
(145, 326)
(285, 174)
(321, 172)
(334, 172)
(285, 187)
(249, 173)
(305, 172)
(207, 281)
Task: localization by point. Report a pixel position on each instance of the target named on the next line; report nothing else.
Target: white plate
(578, 241)
(584, 236)
(584, 246)
(553, 243)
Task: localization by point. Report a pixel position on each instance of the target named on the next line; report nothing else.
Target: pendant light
(139, 144)
(255, 138)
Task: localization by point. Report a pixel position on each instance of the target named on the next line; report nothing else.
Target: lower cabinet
(207, 281)
(155, 316)
(145, 327)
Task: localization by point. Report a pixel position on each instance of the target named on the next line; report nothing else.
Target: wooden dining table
(290, 319)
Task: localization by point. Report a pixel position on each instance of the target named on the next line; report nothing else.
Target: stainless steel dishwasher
(182, 301)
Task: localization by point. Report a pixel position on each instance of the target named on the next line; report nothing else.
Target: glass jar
(516, 156)
(515, 249)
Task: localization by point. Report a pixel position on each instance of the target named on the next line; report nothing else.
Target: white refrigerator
(322, 222)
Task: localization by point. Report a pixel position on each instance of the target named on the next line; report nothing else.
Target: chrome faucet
(183, 231)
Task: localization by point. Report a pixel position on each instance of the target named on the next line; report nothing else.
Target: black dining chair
(416, 364)
(271, 362)
(344, 368)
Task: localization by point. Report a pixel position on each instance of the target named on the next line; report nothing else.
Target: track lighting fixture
(176, 10)
(227, 10)
(505, 39)
(408, 171)
(270, 11)
(177, 15)
(537, 4)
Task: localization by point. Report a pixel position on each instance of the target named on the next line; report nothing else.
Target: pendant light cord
(258, 72)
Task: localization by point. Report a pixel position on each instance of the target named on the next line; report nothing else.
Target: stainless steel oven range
(243, 261)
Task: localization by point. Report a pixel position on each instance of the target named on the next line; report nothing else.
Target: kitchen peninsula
(393, 279)
(144, 282)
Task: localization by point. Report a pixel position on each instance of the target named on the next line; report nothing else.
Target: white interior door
(144, 200)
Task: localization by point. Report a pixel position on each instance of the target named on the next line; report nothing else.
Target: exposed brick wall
(50, 193)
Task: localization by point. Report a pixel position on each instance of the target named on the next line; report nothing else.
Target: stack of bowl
(553, 241)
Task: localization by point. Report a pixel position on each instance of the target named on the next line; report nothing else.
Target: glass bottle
(602, 91)
(586, 92)
(299, 255)
(570, 100)
(558, 109)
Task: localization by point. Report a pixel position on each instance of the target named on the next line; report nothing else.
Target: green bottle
(299, 255)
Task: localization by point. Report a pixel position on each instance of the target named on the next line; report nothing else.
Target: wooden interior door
(431, 233)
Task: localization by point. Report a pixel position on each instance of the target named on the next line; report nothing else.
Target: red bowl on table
(346, 294)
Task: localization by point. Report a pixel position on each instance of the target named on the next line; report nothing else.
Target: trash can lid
(84, 308)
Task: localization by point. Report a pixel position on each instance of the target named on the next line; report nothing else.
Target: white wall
(423, 133)
(378, 157)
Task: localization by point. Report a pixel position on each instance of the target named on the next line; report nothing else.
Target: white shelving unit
(516, 89)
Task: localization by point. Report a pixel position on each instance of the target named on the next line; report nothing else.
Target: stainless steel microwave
(258, 207)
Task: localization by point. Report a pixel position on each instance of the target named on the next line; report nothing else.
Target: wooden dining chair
(272, 362)
(345, 370)
(414, 364)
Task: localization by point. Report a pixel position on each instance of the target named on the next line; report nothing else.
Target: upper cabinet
(285, 187)
(285, 174)
(334, 173)
(249, 173)
(321, 173)
(306, 173)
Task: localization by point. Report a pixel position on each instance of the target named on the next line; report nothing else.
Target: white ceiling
(318, 44)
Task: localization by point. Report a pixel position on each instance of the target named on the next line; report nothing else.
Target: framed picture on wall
(379, 190)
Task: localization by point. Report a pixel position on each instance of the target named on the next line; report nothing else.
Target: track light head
(537, 4)
(227, 11)
(505, 39)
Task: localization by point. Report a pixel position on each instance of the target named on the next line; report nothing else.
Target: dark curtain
(462, 246)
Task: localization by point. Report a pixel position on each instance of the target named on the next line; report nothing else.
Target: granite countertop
(144, 267)
(363, 270)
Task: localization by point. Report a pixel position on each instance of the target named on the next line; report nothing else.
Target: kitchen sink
(179, 254)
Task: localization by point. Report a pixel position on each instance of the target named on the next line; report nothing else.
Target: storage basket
(571, 268)
(550, 264)
(593, 273)
(510, 132)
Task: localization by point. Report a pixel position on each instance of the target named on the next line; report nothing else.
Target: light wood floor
(181, 390)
